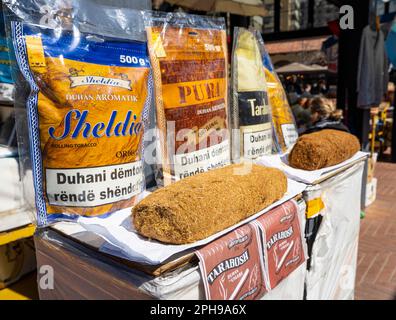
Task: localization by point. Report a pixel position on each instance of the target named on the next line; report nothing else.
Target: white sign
(188, 164)
(289, 134)
(257, 144)
(90, 187)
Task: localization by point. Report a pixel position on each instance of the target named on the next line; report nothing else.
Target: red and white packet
(232, 266)
(254, 258)
(282, 241)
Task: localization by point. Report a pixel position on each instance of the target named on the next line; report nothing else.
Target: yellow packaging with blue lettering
(89, 99)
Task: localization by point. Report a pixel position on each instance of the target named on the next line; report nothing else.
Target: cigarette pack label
(232, 267)
(283, 245)
(282, 116)
(253, 108)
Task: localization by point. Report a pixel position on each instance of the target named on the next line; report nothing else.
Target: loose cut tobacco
(197, 207)
(323, 149)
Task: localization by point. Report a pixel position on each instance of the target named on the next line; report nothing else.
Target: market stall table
(82, 272)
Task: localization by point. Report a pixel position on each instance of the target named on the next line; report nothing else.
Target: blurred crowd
(313, 106)
(296, 86)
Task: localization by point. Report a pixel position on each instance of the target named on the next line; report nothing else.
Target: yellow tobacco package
(285, 129)
(189, 59)
(282, 117)
(86, 111)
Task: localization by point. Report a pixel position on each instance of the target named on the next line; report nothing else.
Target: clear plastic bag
(189, 59)
(251, 111)
(285, 129)
(6, 83)
(83, 88)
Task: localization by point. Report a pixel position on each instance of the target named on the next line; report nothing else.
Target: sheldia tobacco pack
(89, 99)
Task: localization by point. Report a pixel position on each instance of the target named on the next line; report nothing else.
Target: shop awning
(296, 67)
(295, 45)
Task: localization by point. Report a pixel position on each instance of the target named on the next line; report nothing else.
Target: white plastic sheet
(309, 177)
(10, 192)
(122, 241)
(334, 253)
(186, 283)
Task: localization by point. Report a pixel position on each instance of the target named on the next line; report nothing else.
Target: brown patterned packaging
(189, 59)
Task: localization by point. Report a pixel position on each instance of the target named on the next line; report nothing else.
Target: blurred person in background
(390, 95)
(293, 85)
(308, 105)
(315, 88)
(307, 90)
(301, 113)
(324, 115)
(319, 88)
(322, 86)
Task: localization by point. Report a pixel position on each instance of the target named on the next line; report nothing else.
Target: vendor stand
(268, 234)
(83, 270)
(334, 203)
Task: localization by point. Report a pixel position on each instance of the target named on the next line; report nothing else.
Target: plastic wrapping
(6, 82)
(13, 211)
(251, 112)
(285, 129)
(333, 200)
(84, 77)
(308, 177)
(82, 273)
(333, 259)
(189, 61)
